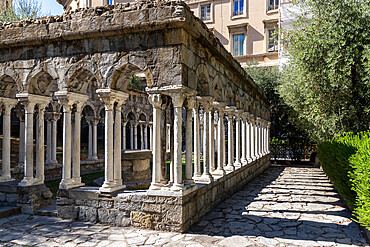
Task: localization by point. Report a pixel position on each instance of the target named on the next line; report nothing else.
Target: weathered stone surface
(141, 219)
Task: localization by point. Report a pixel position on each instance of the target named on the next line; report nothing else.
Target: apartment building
(5, 4)
(245, 27)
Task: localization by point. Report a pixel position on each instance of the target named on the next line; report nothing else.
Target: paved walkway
(285, 206)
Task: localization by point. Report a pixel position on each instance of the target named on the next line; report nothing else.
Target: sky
(51, 6)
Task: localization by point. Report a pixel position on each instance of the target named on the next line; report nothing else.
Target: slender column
(48, 138)
(189, 144)
(256, 135)
(177, 100)
(263, 138)
(28, 163)
(108, 153)
(268, 137)
(230, 141)
(258, 144)
(40, 149)
(142, 138)
(5, 174)
(117, 146)
(249, 143)
(22, 146)
(76, 159)
(67, 138)
(197, 172)
(212, 140)
(206, 176)
(237, 138)
(131, 134)
(90, 144)
(221, 142)
(244, 137)
(135, 135)
(54, 120)
(252, 138)
(124, 135)
(151, 135)
(145, 136)
(156, 101)
(95, 139)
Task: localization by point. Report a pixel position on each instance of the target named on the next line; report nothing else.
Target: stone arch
(131, 116)
(8, 86)
(83, 81)
(204, 87)
(142, 117)
(42, 83)
(83, 65)
(121, 76)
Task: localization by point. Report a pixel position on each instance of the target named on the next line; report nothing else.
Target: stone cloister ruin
(76, 65)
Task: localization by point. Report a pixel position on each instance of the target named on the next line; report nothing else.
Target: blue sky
(51, 6)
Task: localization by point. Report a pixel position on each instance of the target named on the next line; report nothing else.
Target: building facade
(245, 28)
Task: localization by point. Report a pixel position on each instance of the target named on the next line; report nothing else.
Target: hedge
(346, 161)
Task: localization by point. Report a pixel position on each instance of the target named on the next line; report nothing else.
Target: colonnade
(246, 136)
(134, 128)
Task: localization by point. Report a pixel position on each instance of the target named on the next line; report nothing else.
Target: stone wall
(137, 208)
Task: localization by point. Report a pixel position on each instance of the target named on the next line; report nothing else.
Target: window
(273, 4)
(205, 12)
(238, 7)
(238, 44)
(109, 2)
(271, 42)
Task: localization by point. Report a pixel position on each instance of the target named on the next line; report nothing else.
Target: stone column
(252, 138)
(221, 140)
(67, 149)
(230, 164)
(145, 136)
(156, 101)
(117, 145)
(189, 139)
(244, 139)
(21, 151)
(237, 138)
(28, 162)
(135, 135)
(268, 137)
(90, 142)
(206, 176)
(151, 135)
(258, 144)
(55, 117)
(178, 101)
(48, 137)
(124, 135)
(40, 149)
(131, 134)
(95, 138)
(212, 140)
(76, 158)
(248, 138)
(5, 174)
(197, 172)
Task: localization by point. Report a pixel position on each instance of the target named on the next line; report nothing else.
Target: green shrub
(346, 161)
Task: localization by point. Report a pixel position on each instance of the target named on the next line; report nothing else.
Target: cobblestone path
(285, 206)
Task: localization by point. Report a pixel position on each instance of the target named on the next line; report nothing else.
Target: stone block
(140, 219)
(151, 208)
(68, 212)
(2, 197)
(89, 214)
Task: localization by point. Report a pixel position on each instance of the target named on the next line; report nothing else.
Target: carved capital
(155, 99)
(178, 99)
(190, 103)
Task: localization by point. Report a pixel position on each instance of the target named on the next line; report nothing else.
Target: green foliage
(346, 161)
(327, 79)
(21, 10)
(136, 82)
(285, 135)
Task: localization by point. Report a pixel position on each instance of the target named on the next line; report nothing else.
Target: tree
(284, 133)
(327, 79)
(21, 10)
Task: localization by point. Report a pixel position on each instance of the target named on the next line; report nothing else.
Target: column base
(67, 184)
(205, 178)
(219, 172)
(189, 182)
(229, 168)
(168, 191)
(29, 182)
(155, 186)
(178, 187)
(112, 188)
(249, 160)
(77, 181)
(6, 179)
(237, 164)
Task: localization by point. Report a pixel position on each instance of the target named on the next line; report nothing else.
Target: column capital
(155, 99)
(31, 100)
(68, 99)
(220, 106)
(190, 103)
(245, 116)
(230, 110)
(238, 114)
(178, 99)
(92, 120)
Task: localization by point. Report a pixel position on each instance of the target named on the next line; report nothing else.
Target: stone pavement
(285, 206)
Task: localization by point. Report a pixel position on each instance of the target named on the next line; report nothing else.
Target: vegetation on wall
(327, 79)
(21, 10)
(346, 161)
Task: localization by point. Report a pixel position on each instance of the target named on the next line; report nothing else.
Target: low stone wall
(137, 208)
(29, 198)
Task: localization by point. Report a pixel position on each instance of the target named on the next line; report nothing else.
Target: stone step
(50, 210)
(7, 211)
